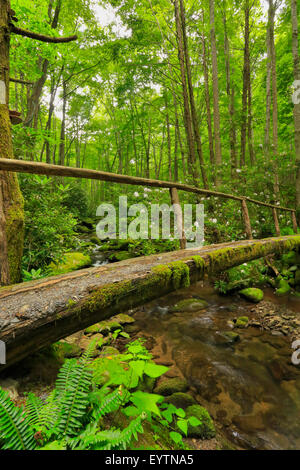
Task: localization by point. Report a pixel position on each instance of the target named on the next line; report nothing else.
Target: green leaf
(180, 412)
(193, 421)
(146, 402)
(154, 370)
(183, 425)
(176, 437)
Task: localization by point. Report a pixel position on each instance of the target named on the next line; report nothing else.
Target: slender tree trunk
(192, 98)
(274, 163)
(187, 114)
(207, 102)
(11, 201)
(230, 95)
(35, 95)
(63, 127)
(215, 80)
(246, 79)
(295, 47)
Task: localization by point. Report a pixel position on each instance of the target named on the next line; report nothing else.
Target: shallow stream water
(250, 387)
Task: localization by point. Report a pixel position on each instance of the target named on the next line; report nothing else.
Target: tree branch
(41, 37)
(18, 80)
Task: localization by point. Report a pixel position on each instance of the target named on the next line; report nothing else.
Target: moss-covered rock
(252, 294)
(71, 262)
(205, 430)
(120, 256)
(106, 327)
(180, 400)
(231, 336)
(109, 351)
(123, 319)
(93, 329)
(242, 322)
(283, 288)
(63, 350)
(170, 386)
(147, 384)
(189, 305)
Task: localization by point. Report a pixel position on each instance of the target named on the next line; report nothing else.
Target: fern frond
(116, 439)
(33, 408)
(15, 430)
(73, 401)
(109, 404)
(50, 412)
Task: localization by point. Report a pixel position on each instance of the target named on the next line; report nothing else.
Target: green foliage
(86, 393)
(49, 225)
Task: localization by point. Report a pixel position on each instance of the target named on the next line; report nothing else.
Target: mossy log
(36, 314)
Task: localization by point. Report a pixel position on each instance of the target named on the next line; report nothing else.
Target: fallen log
(38, 313)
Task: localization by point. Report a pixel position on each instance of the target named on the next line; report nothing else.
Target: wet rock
(230, 337)
(242, 322)
(189, 305)
(180, 400)
(279, 370)
(249, 423)
(252, 294)
(169, 386)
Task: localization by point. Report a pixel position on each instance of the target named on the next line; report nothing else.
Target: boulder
(253, 294)
(189, 305)
(180, 400)
(170, 386)
(283, 288)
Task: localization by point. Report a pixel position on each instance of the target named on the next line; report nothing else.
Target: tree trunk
(215, 80)
(11, 201)
(187, 114)
(271, 48)
(246, 79)
(230, 95)
(295, 46)
(63, 127)
(192, 98)
(37, 89)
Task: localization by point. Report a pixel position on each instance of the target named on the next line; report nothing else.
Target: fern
(110, 403)
(34, 406)
(111, 439)
(15, 430)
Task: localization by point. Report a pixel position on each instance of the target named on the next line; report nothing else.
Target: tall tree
(11, 201)
(295, 50)
(215, 80)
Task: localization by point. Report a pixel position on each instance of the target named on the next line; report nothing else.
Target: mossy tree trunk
(11, 201)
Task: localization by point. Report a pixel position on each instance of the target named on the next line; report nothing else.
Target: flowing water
(250, 387)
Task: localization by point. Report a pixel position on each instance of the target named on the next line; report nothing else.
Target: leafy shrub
(49, 225)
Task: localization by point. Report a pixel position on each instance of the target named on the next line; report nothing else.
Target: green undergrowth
(100, 404)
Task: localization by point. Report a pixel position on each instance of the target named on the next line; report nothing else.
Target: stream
(250, 387)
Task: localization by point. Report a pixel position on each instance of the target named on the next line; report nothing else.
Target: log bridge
(38, 313)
